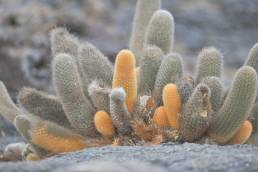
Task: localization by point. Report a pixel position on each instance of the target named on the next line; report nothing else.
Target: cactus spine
(252, 59)
(242, 134)
(63, 42)
(210, 64)
(45, 106)
(254, 115)
(160, 117)
(194, 120)
(125, 77)
(69, 89)
(94, 64)
(23, 125)
(160, 31)
(99, 96)
(216, 91)
(104, 124)
(7, 107)
(185, 87)
(149, 66)
(143, 13)
(236, 107)
(55, 138)
(172, 104)
(118, 110)
(170, 70)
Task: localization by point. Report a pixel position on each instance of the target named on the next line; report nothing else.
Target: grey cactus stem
(149, 66)
(185, 87)
(194, 120)
(236, 107)
(252, 59)
(47, 107)
(100, 96)
(216, 91)
(7, 107)
(143, 13)
(63, 42)
(94, 64)
(160, 31)
(210, 64)
(68, 85)
(118, 111)
(23, 125)
(170, 70)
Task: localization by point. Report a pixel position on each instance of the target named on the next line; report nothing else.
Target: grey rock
(168, 157)
(113, 166)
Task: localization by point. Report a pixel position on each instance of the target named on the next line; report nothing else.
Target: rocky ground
(163, 158)
(25, 60)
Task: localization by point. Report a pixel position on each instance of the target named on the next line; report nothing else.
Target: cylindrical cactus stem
(210, 64)
(160, 117)
(8, 109)
(94, 64)
(149, 66)
(23, 126)
(252, 59)
(99, 96)
(125, 77)
(254, 117)
(236, 107)
(118, 111)
(160, 31)
(32, 157)
(216, 88)
(185, 87)
(194, 119)
(104, 124)
(242, 134)
(55, 138)
(138, 71)
(77, 107)
(45, 106)
(170, 70)
(172, 104)
(63, 42)
(143, 13)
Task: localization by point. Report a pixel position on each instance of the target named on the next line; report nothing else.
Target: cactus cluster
(145, 98)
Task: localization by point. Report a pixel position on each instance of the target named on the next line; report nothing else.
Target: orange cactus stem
(160, 117)
(32, 157)
(104, 124)
(243, 134)
(172, 104)
(56, 139)
(137, 71)
(125, 77)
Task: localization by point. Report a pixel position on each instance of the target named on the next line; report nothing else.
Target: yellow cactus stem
(150, 103)
(137, 71)
(32, 157)
(104, 124)
(172, 104)
(58, 142)
(160, 117)
(243, 134)
(125, 77)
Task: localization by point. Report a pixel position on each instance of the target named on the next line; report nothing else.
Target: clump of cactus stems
(143, 99)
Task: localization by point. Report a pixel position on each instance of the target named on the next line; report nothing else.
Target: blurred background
(25, 58)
